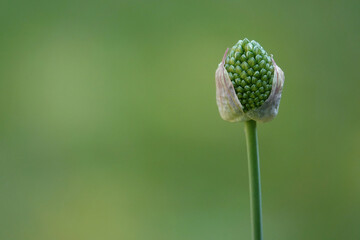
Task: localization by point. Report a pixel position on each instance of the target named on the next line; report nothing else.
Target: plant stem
(254, 179)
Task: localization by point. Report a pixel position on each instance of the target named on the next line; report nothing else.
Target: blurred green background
(109, 127)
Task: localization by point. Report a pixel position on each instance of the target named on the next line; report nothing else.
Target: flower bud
(248, 84)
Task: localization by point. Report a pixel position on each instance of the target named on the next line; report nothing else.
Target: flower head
(248, 84)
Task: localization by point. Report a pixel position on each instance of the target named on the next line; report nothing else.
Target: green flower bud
(255, 91)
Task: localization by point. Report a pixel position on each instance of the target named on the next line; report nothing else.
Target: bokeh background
(109, 127)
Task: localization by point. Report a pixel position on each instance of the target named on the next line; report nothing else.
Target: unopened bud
(248, 84)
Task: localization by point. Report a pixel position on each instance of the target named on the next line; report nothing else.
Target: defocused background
(109, 127)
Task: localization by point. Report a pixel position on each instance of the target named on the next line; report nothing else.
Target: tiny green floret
(251, 72)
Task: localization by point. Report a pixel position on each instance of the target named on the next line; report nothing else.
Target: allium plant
(248, 89)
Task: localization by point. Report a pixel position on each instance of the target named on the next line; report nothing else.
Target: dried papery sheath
(248, 83)
(230, 108)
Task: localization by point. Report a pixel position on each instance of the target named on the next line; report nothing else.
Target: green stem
(254, 179)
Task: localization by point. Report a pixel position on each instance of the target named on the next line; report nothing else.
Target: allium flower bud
(248, 84)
